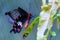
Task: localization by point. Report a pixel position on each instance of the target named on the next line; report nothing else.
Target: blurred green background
(33, 6)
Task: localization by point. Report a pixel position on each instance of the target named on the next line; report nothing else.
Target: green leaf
(31, 26)
(52, 33)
